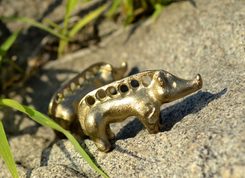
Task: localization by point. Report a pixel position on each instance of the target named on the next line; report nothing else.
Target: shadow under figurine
(139, 95)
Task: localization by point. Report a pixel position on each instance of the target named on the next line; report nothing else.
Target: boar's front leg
(110, 134)
(102, 143)
(97, 130)
(149, 116)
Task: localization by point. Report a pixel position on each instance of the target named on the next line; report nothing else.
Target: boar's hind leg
(96, 129)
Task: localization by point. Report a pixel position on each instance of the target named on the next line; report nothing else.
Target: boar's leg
(110, 134)
(149, 116)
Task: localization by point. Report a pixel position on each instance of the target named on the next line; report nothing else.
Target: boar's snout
(197, 82)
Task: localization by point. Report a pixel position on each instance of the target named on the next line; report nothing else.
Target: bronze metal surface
(64, 101)
(110, 101)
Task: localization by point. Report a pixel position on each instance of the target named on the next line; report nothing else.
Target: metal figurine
(64, 101)
(98, 96)
(139, 95)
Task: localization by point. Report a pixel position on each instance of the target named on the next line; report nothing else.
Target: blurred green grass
(128, 10)
(47, 122)
(5, 46)
(5, 152)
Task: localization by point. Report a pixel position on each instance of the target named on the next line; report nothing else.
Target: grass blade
(158, 9)
(129, 10)
(61, 49)
(8, 43)
(6, 154)
(70, 5)
(45, 121)
(85, 20)
(113, 9)
(35, 24)
(40, 26)
(52, 24)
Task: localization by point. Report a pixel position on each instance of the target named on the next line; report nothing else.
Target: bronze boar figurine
(64, 102)
(139, 95)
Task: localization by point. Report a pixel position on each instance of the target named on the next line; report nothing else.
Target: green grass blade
(8, 43)
(85, 20)
(45, 121)
(84, 2)
(61, 48)
(70, 5)
(113, 9)
(158, 9)
(35, 24)
(129, 11)
(5, 152)
(40, 26)
(52, 24)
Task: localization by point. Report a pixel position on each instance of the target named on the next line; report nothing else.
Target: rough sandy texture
(204, 134)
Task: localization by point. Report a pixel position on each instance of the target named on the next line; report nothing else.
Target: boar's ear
(158, 77)
(106, 67)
